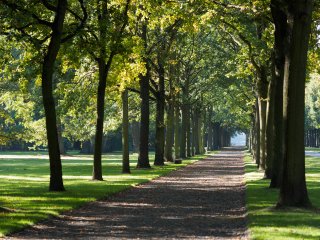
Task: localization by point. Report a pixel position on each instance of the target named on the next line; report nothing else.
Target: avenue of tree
(176, 77)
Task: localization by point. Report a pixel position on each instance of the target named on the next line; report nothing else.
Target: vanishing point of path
(202, 200)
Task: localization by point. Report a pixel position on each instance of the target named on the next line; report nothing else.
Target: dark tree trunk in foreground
(125, 133)
(143, 159)
(293, 190)
(280, 20)
(56, 182)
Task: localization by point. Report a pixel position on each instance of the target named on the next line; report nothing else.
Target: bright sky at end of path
(238, 140)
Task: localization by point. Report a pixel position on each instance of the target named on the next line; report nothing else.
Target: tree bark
(125, 133)
(270, 129)
(56, 182)
(103, 73)
(280, 21)
(177, 131)
(197, 132)
(262, 86)
(293, 190)
(169, 132)
(160, 127)
(143, 159)
(188, 130)
(183, 139)
(257, 138)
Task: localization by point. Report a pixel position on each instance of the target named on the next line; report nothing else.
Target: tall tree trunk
(197, 132)
(160, 126)
(177, 132)
(293, 190)
(183, 142)
(203, 139)
(188, 129)
(262, 101)
(125, 133)
(270, 129)
(257, 138)
(169, 132)
(210, 136)
(193, 133)
(56, 182)
(280, 20)
(143, 159)
(103, 73)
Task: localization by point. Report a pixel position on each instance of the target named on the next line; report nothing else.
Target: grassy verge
(312, 149)
(267, 223)
(24, 185)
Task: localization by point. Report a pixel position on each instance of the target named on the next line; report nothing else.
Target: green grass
(24, 185)
(312, 149)
(265, 222)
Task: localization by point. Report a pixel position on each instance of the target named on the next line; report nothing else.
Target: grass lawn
(24, 183)
(268, 223)
(312, 149)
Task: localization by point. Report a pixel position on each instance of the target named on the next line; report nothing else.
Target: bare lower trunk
(293, 190)
(177, 131)
(125, 133)
(143, 159)
(56, 182)
(169, 132)
(279, 59)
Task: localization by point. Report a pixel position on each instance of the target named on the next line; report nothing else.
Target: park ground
(24, 185)
(267, 222)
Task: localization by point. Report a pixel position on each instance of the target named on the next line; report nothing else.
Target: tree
(293, 190)
(32, 28)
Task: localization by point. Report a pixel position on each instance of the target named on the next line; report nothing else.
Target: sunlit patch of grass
(24, 184)
(266, 222)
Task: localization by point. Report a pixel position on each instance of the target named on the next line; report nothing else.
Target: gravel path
(205, 200)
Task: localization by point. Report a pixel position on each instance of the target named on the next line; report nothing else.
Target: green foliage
(313, 102)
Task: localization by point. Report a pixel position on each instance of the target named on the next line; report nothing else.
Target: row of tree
(197, 71)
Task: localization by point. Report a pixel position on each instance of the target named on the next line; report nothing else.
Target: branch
(81, 25)
(247, 42)
(48, 5)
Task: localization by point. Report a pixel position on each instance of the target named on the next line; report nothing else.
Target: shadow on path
(203, 200)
